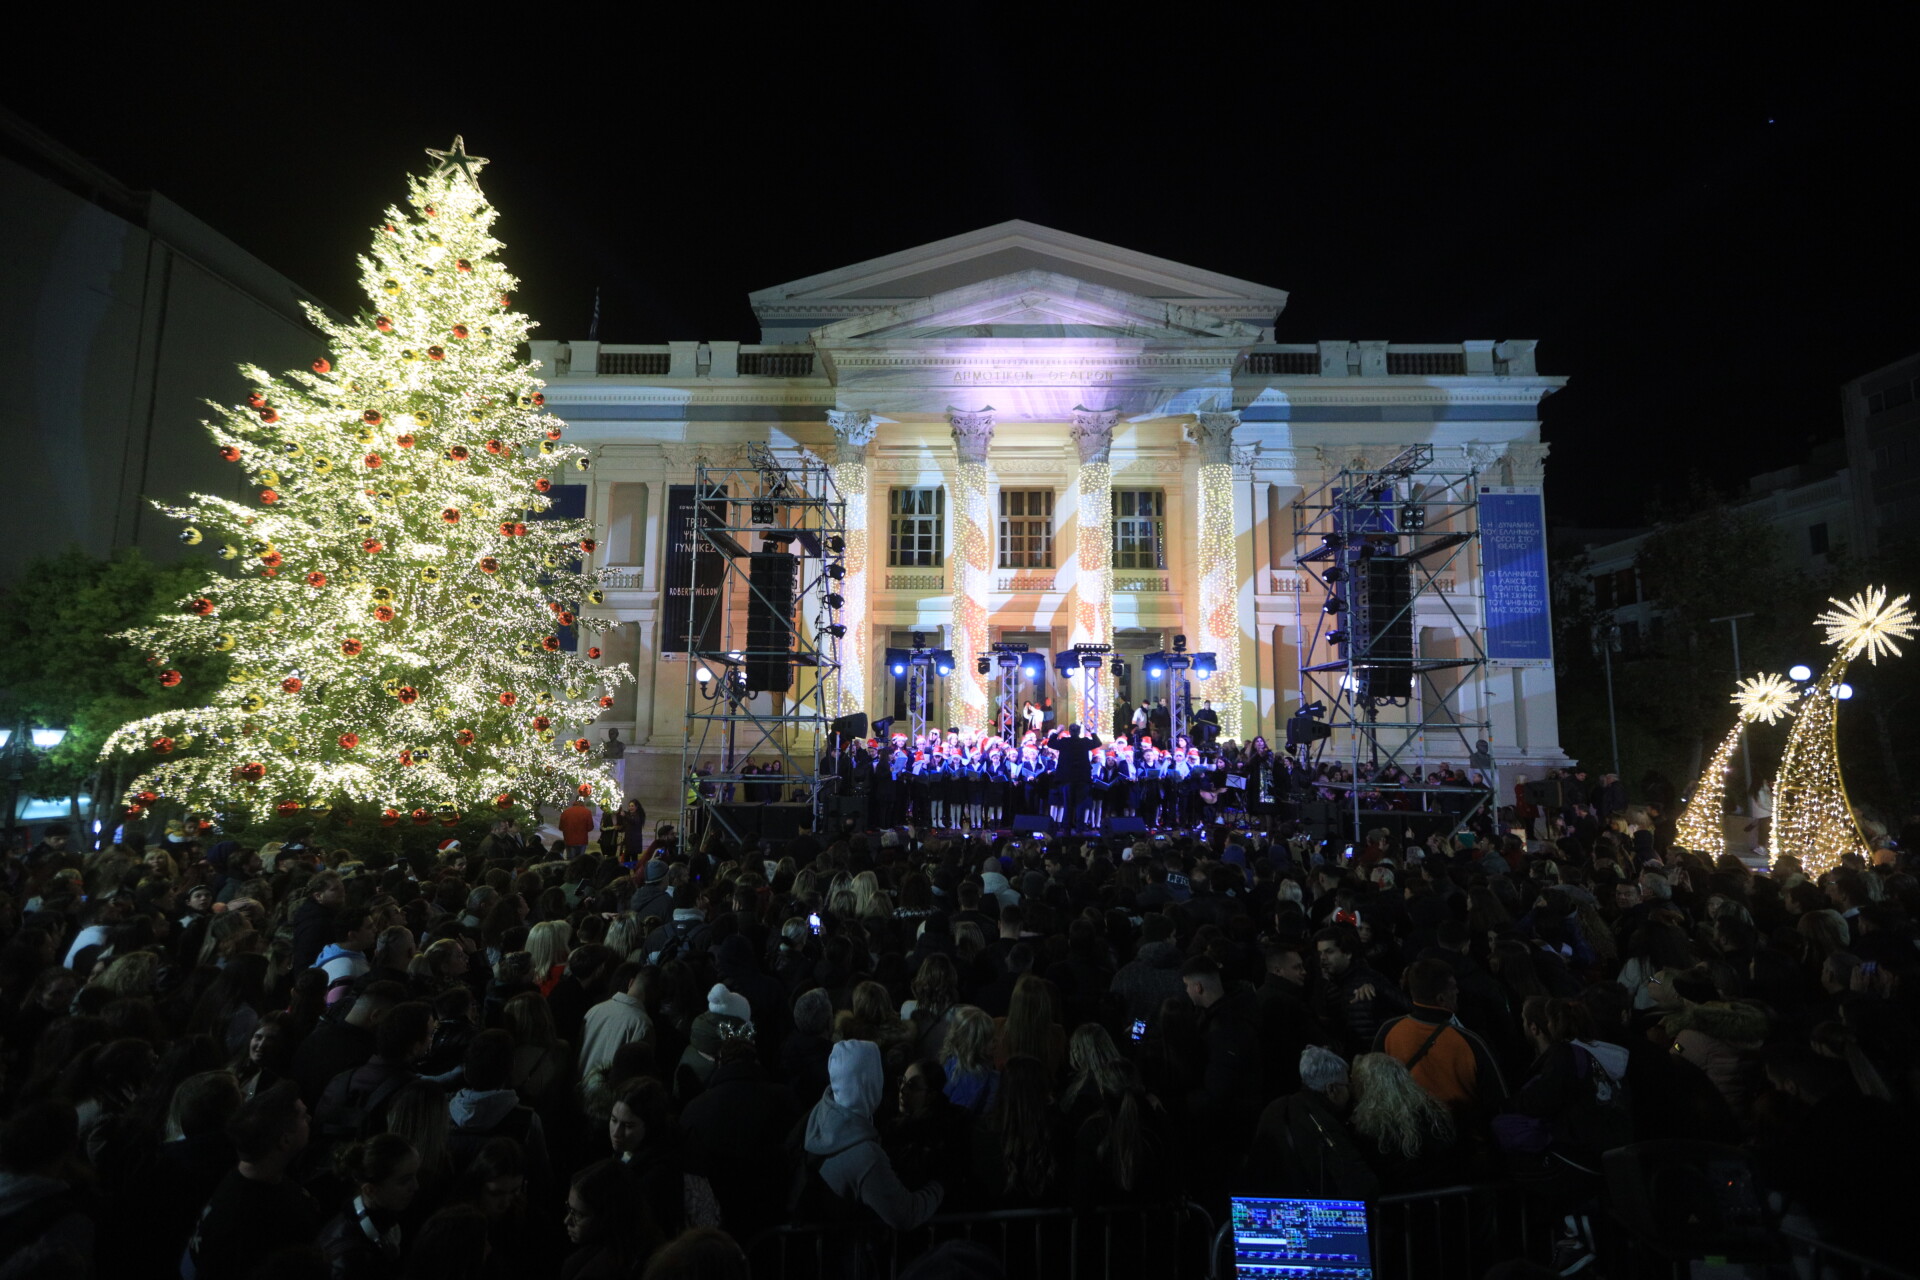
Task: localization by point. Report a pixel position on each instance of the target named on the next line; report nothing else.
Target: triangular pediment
(1034, 304)
(788, 312)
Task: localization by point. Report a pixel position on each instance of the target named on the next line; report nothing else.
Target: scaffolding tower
(764, 627)
(1380, 541)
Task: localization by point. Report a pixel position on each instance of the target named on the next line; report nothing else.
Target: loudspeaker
(783, 821)
(847, 728)
(743, 820)
(770, 621)
(1124, 825)
(1685, 1199)
(1381, 623)
(842, 809)
(1031, 822)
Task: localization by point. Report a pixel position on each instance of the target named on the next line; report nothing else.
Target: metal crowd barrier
(1121, 1241)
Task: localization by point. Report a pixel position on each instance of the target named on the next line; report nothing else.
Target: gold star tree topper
(1765, 698)
(1868, 625)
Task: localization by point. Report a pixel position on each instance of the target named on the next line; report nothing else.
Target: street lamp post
(1746, 756)
(1606, 638)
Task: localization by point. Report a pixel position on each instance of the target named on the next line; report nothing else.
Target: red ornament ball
(408, 695)
(463, 265)
(605, 701)
(252, 771)
(322, 365)
(436, 353)
(582, 745)
(287, 808)
(229, 454)
(593, 651)
(269, 497)
(566, 618)
(256, 401)
(508, 697)
(373, 546)
(163, 745)
(431, 212)
(503, 801)
(553, 433)
(406, 759)
(495, 447)
(506, 528)
(506, 300)
(588, 544)
(459, 331)
(551, 644)
(542, 485)
(373, 460)
(272, 559)
(586, 788)
(389, 816)
(421, 817)
(349, 740)
(540, 399)
(451, 515)
(383, 613)
(372, 417)
(148, 797)
(405, 442)
(459, 453)
(168, 679)
(293, 684)
(316, 579)
(464, 737)
(541, 724)
(200, 606)
(489, 565)
(269, 414)
(351, 647)
(383, 324)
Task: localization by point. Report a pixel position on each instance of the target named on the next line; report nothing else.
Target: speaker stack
(769, 661)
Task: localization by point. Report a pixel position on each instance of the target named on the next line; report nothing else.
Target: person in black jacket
(362, 1241)
(1229, 1021)
(257, 1210)
(734, 1135)
(1075, 774)
(313, 921)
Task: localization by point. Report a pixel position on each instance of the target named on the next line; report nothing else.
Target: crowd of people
(489, 1058)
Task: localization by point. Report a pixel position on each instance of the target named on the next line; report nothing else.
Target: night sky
(1701, 222)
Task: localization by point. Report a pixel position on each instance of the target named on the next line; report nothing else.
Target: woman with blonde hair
(624, 937)
(936, 990)
(540, 1057)
(548, 943)
(1406, 1133)
(441, 965)
(1029, 1028)
(866, 886)
(967, 1054)
(1099, 1078)
(129, 976)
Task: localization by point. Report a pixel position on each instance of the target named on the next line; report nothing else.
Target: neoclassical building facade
(1048, 440)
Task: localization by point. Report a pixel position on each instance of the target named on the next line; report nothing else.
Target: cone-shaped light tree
(399, 614)
(1764, 698)
(1812, 817)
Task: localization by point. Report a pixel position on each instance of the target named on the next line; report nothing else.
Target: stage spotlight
(1179, 644)
(835, 601)
(837, 630)
(1091, 661)
(836, 544)
(1066, 663)
(1203, 665)
(1333, 575)
(899, 668)
(1337, 636)
(762, 511)
(943, 664)
(1033, 670)
(919, 639)
(982, 664)
(1335, 605)
(836, 571)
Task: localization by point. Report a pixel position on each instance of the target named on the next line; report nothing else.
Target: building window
(1139, 529)
(916, 527)
(1026, 528)
(1817, 538)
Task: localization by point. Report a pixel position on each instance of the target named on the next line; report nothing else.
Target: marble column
(1092, 432)
(972, 565)
(852, 432)
(1217, 553)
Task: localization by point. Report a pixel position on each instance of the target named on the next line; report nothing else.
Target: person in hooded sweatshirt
(488, 1108)
(843, 1146)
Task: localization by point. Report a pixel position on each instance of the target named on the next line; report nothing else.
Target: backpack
(359, 1114)
(681, 940)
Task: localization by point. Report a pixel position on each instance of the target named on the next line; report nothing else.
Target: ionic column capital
(1092, 432)
(972, 432)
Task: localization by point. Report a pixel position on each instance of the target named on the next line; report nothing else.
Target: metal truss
(1380, 516)
(780, 501)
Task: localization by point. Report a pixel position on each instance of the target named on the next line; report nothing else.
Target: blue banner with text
(1513, 554)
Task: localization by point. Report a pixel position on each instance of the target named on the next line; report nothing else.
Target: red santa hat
(449, 845)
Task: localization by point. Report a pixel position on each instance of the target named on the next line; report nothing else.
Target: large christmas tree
(398, 614)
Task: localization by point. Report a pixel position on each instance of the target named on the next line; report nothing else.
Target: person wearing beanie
(654, 898)
(727, 1015)
(844, 1157)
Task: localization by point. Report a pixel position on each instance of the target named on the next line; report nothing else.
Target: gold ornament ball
(228, 552)
(191, 536)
